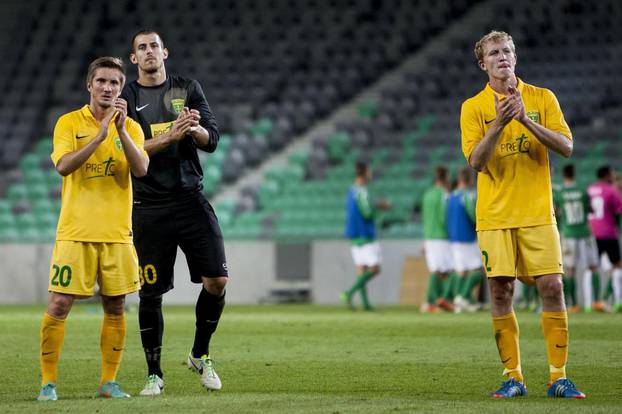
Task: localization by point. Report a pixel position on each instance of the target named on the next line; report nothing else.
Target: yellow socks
(51, 335)
(112, 344)
(555, 328)
(506, 335)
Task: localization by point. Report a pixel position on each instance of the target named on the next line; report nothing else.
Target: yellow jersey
(514, 188)
(97, 197)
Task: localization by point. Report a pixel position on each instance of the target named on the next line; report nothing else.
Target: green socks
(360, 284)
(434, 288)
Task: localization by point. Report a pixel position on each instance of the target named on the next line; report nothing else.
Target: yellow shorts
(75, 266)
(520, 252)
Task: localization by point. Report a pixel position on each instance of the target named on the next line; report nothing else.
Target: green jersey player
(572, 205)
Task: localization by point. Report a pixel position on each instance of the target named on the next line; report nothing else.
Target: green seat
(7, 219)
(338, 145)
(299, 158)
(44, 147)
(46, 220)
(367, 109)
(34, 176)
(17, 192)
(209, 187)
(29, 234)
(25, 220)
(43, 206)
(53, 178)
(30, 161)
(37, 191)
(263, 126)
(5, 206)
(8, 234)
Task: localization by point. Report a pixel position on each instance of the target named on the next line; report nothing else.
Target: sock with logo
(112, 345)
(208, 310)
(151, 324)
(52, 334)
(506, 336)
(555, 329)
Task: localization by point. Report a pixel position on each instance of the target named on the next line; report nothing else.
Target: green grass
(318, 360)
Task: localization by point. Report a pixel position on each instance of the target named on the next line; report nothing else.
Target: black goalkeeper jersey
(175, 172)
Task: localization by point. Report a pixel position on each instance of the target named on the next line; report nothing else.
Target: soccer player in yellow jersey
(95, 149)
(507, 131)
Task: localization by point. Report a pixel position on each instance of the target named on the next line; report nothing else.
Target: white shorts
(580, 253)
(438, 256)
(466, 256)
(367, 254)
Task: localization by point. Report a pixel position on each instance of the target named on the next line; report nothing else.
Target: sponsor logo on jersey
(520, 144)
(98, 170)
(162, 128)
(117, 143)
(534, 116)
(177, 105)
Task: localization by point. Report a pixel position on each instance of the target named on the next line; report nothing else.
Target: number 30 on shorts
(62, 275)
(147, 274)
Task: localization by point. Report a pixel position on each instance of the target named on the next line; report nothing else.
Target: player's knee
(502, 293)
(150, 302)
(59, 305)
(215, 285)
(550, 287)
(113, 305)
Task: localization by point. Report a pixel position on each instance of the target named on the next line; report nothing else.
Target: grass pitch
(315, 359)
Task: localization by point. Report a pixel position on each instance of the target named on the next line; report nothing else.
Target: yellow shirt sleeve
(555, 120)
(471, 128)
(64, 139)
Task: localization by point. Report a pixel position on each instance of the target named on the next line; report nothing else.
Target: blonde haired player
(95, 149)
(507, 131)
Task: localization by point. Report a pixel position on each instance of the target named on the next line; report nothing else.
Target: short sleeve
(555, 120)
(64, 139)
(471, 130)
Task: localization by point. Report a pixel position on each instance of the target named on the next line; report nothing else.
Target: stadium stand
(273, 69)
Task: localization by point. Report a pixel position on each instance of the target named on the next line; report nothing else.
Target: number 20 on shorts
(147, 274)
(62, 275)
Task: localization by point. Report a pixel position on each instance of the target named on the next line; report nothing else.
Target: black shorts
(192, 225)
(611, 247)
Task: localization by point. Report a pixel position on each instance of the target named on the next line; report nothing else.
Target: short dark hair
(465, 175)
(441, 173)
(603, 171)
(568, 171)
(146, 31)
(361, 168)
(105, 62)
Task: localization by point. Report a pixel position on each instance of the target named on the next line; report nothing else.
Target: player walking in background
(572, 205)
(606, 209)
(507, 130)
(169, 207)
(467, 259)
(95, 148)
(435, 244)
(361, 230)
